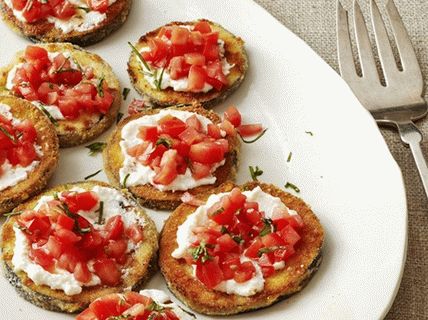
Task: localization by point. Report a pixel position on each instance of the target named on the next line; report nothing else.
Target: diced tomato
(272, 240)
(202, 27)
(248, 130)
(149, 133)
(165, 31)
(194, 58)
(116, 248)
(226, 243)
(82, 273)
(244, 272)
(196, 80)
(108, 271)
(179, 35)
(232, 114)
(215, 71)
(40, 225)
(43, 259)
(206, 152)
(191, 136)
(135, 233)
(67, 236)
(211, 51)
(32, 13)
(19, 4)
(178, 68)
(168, 171)
(37, 56)
(266, 265)
(157, 152)
(194, 122)
(196, 39)
(253, 250)
(221, 211)
(214, 131)
(139, 149)
(209, 273)
(99, 5)
(114, 227)
(289, 235)
(228, 127)
(87, 315)
(55, 247)
(295, 221)
(172, 127)
(229, 265)
(64, 10)
(237, 198)
(26, 153)
(200, 170)
(108, 306)
(158, 49)
(136, 106)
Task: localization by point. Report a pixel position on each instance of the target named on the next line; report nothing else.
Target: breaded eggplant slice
(147, 195)
(296, 274)
(72, 132)
(46, 139)
(143, 264)
(45, 31)
(234, 53)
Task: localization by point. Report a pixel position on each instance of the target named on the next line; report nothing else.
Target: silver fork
(400, 101)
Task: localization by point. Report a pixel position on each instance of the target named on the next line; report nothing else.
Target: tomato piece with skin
(179, 35)
(98, 5)
(108, 271)
(191, 136)
(194, 58)
(196, 79)
(206, 152)
(116, 248)
(108, 306)
(67, 236)
(19, 4)
(168, 167)
(87, 315)
(178, 68)
(202, 27)
(82, 273)
(228, 128)
(253, 250)
(200, 170)
(214, 131)
(114, 227)
(209, 273)
(289, 235)
(194, 122)
(244, 272)
(135, 233)
(32, 13)
(55, 247)
(139, 149)
(43, 259)
(149, 133)
(248, 130)
(172, 127)
(232, 114)
(226, 243)
(64, 10)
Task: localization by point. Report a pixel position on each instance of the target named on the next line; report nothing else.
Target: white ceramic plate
(344, 170)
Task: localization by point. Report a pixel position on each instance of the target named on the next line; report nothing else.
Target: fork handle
(412, 136)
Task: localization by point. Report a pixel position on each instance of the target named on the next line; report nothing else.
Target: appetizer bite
(241, 249)
(158, 154)
(187, 62)
(148, 304)
(82, 22)
(76, 89)
(28, 151)
(75, 243)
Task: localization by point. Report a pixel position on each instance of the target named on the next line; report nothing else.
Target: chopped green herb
(46, 112)
(125, 93)
(224, 230)
(290, 185)
(13, 213)
(7, 134)
(158, 81)
(100, 89)
(96, 147)
(119, 117)
(138, 54)
(24, 229)
(238, 239)
(66, 70)
(86, 9)
(164, 141)
(125, 180)
(255, 172)
(92, 175)
(200, 252)
(153, 306)
(289, 156)
(120, 317)
(218, 211)
(255, 139)
(101, 213)
(309, 132)
(268, 227)
(265, 250)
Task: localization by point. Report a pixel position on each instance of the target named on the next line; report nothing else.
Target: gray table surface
(315, 22)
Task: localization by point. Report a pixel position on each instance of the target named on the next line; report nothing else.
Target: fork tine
(365, 52)
(344, 49)
(386, 56)
(405, 48)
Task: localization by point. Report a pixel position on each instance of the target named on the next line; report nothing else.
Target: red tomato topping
(232, 114)
(34, 11)
(61, 238)
(238, 228)
(193, 53)
(60, 83)
(128, 305)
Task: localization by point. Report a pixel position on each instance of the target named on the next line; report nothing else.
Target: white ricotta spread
(80, 22)
(53, 110)
(162, 299)
(12, 175)
(153, 75)
(185, 238)
(140, 174)
(62, 279)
